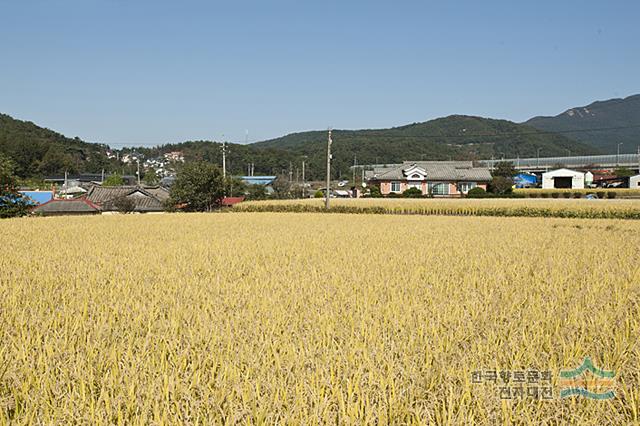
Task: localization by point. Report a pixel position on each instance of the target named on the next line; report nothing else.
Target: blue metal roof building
(38, 197)
(522, 180)
(258, 180)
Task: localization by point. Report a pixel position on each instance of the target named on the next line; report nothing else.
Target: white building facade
(563, 178)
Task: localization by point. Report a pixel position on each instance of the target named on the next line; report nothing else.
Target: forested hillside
(453, 137)
(37, 151)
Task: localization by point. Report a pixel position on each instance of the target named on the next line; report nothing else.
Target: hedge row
(448, 211)
(578, 193)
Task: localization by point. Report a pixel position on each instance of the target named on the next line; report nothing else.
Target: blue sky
(148, 72)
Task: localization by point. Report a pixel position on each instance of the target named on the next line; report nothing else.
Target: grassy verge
(579, 193)
(578, 209)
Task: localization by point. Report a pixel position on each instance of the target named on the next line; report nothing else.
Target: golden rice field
(527, 207)
(282, 318)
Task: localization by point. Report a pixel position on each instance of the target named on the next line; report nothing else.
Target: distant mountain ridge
(620, 116)
(455, 137)
(578, 131)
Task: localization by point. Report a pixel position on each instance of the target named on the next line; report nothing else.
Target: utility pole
(290, 173)
(327, 190)
(224, 160)
(355, 163)
(618, 155)
(138, 161)
(304, 191)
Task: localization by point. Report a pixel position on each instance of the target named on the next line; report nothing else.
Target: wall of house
(577, 180)
(385, 188)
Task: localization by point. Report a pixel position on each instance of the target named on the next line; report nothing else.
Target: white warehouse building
(563, 178)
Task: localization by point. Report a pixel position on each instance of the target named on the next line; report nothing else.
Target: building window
(439, 188)
(464, 187)
(395, 186)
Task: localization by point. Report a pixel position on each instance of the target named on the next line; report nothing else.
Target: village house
(437, 178)
(145, 199)
(73, 206)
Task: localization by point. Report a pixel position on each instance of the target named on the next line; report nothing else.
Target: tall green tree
(282, 187)
(113, 180)
(502, 181)
(12, 203)
(199, 186)
(234, 187)
(151, 177)
(504, 169)
(623, 172)
(256, 192)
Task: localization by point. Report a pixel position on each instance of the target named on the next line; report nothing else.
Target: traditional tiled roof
(435, 171)
(159, 192)
(70, 206)
(145, 200)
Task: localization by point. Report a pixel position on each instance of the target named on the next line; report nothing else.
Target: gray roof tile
(436, 171)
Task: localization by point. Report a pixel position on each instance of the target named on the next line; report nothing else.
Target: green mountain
(621, 118)
(453, 137)
(37, 151)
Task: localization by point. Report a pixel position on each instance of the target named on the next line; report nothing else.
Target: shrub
(566, 194)
(601, 194)
(374, 191)
(577, 195)
(318, 194)
(555, 194)
(113, 180)
(124, 204)
(412, 193)
(544, 194)
(533, 194)
(478, 192)
(501, 185)
(611, 194)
